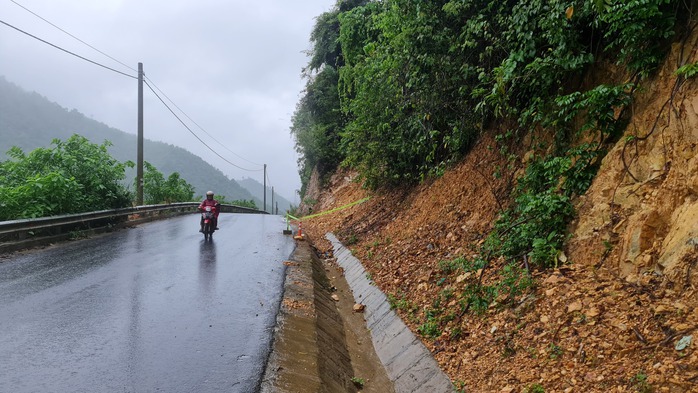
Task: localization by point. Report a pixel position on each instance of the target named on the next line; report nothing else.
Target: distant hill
(257, 189)
(29, 120)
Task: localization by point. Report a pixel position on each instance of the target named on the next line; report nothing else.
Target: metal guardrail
(18, 234)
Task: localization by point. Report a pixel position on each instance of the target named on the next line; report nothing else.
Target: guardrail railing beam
(30, 231)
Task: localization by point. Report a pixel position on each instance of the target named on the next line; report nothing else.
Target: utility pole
(139, 164)
(272, 199)
(277, 208)
(265, 187)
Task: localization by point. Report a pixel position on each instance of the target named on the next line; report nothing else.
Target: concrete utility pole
(139, 161)
(272, 199)
(265, 187)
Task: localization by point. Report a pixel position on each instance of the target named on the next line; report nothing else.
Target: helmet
(209, 193)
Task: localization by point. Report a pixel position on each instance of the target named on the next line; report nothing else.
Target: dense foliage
(157, 189)
(400, 88)
(71, 177)
(76, 176)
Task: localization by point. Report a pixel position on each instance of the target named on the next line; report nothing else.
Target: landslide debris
(619, 313)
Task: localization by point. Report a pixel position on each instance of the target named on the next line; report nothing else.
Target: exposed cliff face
(607, 321)
(312, 194)
(644, 201)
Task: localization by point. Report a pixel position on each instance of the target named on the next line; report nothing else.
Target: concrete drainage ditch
(322, 345)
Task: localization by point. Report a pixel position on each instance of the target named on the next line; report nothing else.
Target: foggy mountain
(29, 120)
(257, 189)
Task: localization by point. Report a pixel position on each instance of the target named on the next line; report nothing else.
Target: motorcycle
(209, 217)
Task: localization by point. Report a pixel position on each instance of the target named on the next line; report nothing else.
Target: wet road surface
(147, 309)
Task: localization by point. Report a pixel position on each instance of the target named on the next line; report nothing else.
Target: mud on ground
(584, 327)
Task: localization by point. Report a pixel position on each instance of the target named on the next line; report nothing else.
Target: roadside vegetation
(75, 176)
(238, 202)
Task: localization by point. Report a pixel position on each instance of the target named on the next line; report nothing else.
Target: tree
(317, 124)
(73, 176)
(158, 190)
(404, 90)
(318, 120)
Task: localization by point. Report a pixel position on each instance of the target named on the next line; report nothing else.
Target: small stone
(358, 307)
(576, 306)
(684, 343)
(661, 309)
(552, 279)
(632, 278)
(463, 277)
(335, 298)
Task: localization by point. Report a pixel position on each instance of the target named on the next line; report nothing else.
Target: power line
(201, 128)
(47, 21)
(193, 133)
(134, 77)
(67, 51)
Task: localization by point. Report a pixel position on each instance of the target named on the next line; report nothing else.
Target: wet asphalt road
(147, 309)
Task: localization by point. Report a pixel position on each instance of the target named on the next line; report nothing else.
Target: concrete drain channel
(320, 345)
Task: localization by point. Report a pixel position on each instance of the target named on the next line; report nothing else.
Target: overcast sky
(232, 66)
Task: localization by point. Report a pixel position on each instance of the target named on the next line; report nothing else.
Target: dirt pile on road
(620, 316)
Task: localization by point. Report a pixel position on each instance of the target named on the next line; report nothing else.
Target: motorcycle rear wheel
(208, 231)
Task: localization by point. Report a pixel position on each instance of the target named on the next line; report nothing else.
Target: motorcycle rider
(209, 201)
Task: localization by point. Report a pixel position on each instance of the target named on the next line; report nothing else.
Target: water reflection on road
(154, 308)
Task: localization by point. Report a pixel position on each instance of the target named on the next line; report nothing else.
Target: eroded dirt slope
(607, 321)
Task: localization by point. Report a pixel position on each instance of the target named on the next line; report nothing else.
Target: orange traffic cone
(299, 235)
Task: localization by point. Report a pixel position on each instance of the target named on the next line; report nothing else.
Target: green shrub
(73, 176)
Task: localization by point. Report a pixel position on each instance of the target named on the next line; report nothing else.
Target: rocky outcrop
(644, 202)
